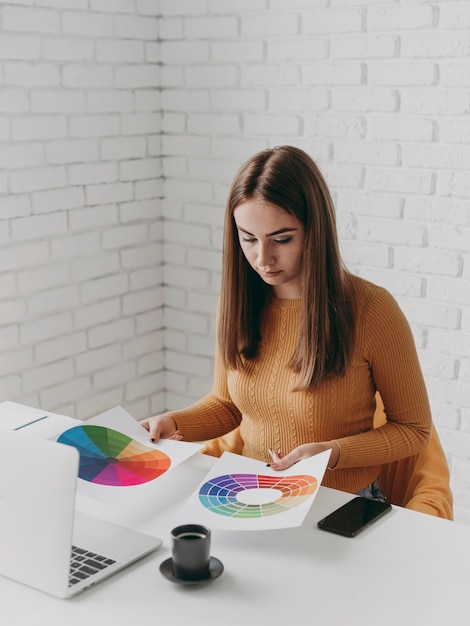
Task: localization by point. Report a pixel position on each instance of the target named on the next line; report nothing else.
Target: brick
(364, 47)
(215, 75)
(140, 123)
(30, 74)
(428, 46)
(124, 236)
(38, 127)
(21, 155)
(109, 193)
(367, 152)
(94, 403)
(394, 232)
(13, 310)
(403, 73)
(111, 333)
(97, 313)
(66, 49)
(400, 181)
(449, 211)
(94, 126)
(119, 51)
(123, 148)
(434, 101)
(37, 179)
(94, 266)
(43, 277)
(332, 21)
(426, 261)
(282, 125)
(13, 101)
(9, 336)
(20, 46)
(267, 74)
(137, 169)
(136, 27)
(150, 188)
(48, 375)
(104, 288)
(176, 100)
(400, 18)
(73, 390)
(17, 362)
(455, 184)
(92, 173)
(87, 23)
(137, 76)
(60, 348)
(30, 19)
(53, 102)
(51, 200)
(71, 151)
(46, 328)
(86, 76)
(204, 28)
(142, 344)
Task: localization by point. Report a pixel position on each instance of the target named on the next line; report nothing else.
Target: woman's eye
(248, 239)
(284, 240)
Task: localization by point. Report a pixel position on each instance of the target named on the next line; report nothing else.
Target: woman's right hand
(161, 427)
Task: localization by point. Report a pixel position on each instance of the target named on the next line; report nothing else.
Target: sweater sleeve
(389, 348)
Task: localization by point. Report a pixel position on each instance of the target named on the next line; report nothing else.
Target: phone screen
(354, 516)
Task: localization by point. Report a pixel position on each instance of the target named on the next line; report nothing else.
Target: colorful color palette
(108, 457)
(224, 494)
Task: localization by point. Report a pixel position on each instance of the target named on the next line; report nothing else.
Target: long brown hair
(288, 178)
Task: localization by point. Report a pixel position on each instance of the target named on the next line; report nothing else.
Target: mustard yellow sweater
(270, 414)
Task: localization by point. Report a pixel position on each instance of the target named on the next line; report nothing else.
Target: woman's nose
(265, 256)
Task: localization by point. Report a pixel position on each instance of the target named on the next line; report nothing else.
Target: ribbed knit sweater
(260, 397)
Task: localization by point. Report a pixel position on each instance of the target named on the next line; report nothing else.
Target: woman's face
(272, 241)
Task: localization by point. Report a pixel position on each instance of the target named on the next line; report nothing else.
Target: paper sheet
(240, 493)
(117, 458)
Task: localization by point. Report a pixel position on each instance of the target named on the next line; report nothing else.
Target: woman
(302, 344)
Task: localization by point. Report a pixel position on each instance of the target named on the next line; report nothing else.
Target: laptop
(39, 527)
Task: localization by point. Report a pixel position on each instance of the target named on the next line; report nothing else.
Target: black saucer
(216, 568)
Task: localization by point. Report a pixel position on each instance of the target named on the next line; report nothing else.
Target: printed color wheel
(108, 457)
(223, 495)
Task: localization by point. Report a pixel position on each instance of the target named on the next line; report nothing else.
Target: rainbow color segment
(221, 495)
(108, 457)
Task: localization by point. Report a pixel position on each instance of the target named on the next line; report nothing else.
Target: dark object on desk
(191, 549)
(215, 570)
(354, 516)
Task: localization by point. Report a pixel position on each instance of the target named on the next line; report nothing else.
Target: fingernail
(268, 464)
(152, 440)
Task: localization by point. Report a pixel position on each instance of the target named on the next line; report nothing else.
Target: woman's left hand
(306, 450)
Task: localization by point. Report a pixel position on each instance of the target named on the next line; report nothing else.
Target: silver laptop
(40, 532)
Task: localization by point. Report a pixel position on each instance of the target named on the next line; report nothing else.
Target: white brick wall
(116, 112)
(81, 327)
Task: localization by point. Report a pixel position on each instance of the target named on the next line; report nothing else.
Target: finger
(285, 462)
(176, 436)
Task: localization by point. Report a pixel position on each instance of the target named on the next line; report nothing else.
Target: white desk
(408, 569)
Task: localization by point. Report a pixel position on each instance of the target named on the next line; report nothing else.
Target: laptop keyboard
(85, 563)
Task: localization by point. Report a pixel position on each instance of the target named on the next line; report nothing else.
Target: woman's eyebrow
(276, 232)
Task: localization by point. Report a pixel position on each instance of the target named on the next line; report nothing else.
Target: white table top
(407, 569)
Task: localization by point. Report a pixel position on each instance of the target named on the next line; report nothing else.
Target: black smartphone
(354, 516)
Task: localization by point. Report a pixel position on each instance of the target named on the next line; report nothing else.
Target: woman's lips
(269, 274)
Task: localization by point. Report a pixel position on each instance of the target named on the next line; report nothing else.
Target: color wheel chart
(255, 495)
(108, 457)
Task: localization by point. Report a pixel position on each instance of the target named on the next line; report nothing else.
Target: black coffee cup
(191, 548)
